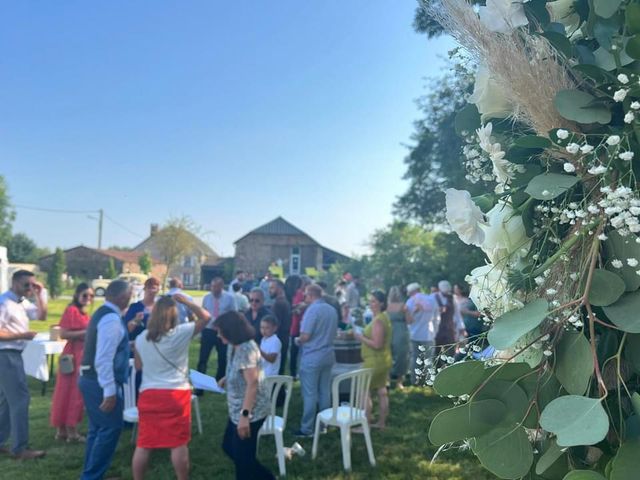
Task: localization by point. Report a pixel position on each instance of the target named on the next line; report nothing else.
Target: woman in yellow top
(376, 354)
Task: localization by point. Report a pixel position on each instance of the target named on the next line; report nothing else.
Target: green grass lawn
(402, 450)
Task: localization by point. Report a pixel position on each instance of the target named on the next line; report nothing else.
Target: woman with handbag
(248, 398)
(67, 405)
(164, 405)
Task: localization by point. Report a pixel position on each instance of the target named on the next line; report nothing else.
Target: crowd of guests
(254, 328)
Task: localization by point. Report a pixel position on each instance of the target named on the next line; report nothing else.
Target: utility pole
(100, 229)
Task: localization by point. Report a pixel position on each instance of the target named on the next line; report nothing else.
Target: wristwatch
(245, 413)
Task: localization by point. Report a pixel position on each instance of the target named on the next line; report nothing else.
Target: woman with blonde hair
(396, 310)
(164, 406)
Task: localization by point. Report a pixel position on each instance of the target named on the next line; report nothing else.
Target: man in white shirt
(422, 316)
(104, 369)
(15, 313)
(216, 303)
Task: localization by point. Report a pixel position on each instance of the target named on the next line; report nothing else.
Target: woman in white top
(164, 405)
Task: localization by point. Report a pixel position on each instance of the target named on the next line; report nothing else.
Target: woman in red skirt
(67, 404)
(164, 405)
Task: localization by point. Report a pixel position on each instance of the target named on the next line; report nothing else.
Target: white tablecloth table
(38, 357)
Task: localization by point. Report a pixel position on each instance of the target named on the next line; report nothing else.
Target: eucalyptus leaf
(635, 403)
(633, 47)
(595, 73)
(606, 288)
(533, 141)
(624, 313)
(466, 421)
(625, 464)
(606, 8)
(511, 395)
(549, 457)
(467, 120)
(583, 475)
(605, 59)
(506, 452)
(460, 378)
(548, 186)
(632, 17)
(508, 328)
(510, 371)
(576, 105)
(618, 247)
(574, 362)
(575, 420)
(632, 351)
(559, 41)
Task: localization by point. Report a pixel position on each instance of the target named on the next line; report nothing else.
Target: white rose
(464, 216)
(502, 16)
(488, 97)
(505, 235)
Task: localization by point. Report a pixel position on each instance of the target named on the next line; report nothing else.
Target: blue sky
(231, 112)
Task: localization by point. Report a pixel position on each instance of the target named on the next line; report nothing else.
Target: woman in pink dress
(67, 405)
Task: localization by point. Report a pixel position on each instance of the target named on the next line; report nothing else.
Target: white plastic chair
(273, 424)
(130, 412)
(347, 416)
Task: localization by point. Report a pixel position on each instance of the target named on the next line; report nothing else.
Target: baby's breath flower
(626, 156)
(632, 262)
(616, 263)
(569, 167)
(613, 140)
(573, 148)
(622, 78)
(620, 95)
(629, 117)
(562, 134)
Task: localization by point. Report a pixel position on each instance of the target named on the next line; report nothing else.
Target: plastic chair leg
(316, 436)
(280, 451)
(345, 440)
(367, 440)
(196, 407)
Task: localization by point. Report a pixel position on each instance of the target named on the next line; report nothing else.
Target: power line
(122, 226)
(55, 210)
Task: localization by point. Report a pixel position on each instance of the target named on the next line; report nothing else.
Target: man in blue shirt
(317, 357)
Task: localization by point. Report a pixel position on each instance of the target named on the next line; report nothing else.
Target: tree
(111, 269)
(21, 249)
(7, 214)
(175, 239)
(120, 248)
(403, 253)
(54, 277)
(145, 263)
(434, 162)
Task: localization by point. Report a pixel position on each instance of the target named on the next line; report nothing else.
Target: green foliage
(21, 249)
(176, 238)
(574, 363)
(548, 186)
(505, 451)
(145, 263)
(618, 246)
(434, 162)
(460, 378)
(403, 253)
(624, 313)
(468, 420)
(513, 325)
(111, 269)
(575, 420)
(606, 288)
(581, 107)
(54, 276)
(7, 214)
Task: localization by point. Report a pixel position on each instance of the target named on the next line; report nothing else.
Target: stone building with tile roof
(282, 243)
